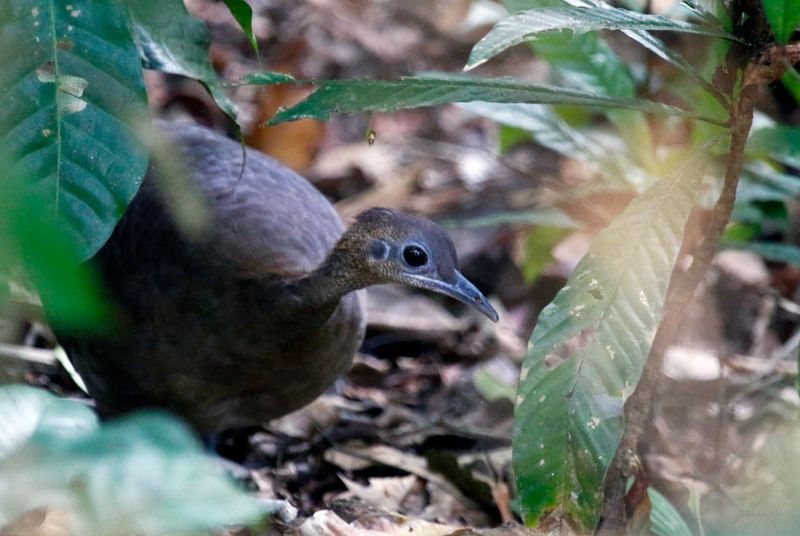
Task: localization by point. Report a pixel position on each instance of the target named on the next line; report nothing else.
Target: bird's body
(253, 319)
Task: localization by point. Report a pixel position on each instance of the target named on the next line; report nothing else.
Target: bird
(258, 315)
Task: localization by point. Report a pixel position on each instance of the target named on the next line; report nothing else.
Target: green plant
(72, 108)
(593, 362)
(594, 356)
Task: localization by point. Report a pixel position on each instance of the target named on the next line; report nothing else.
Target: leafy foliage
(243, 14)
(588, 349)
(348, 96)
(70, 89)
(784, 17)
(171, 40)
(144, 474)
(527, 25)
(32, 239)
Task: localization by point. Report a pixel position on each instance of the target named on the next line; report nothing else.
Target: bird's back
(202, 333)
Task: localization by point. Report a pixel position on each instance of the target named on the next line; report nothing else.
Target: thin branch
(765, 69)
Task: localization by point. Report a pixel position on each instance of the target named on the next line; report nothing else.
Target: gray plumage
(261, 313)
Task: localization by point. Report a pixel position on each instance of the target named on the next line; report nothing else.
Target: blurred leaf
(781, 142)
(791, 81)
(34, 242)
(586, 61)
(660, 49)
(712, 11)
(491, 387)
(552, 217)
(766, 499)
(144, 474)
(770, 251)
(243, 14)
(783, 17)
(740, 232)
(348, 96)
(760, 181)
(171, 40)
(664, 518)
(539, 246)
(588, 349)
(552, 132)
(509, 137)
(267, 78)
(25, 411)
(70, 86)
(527, 25)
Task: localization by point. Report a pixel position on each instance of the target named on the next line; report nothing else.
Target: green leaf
(171, 40)
(243, 14)
(585, 61)
(552, 132)
(791, 81)
(491, 387)
(761, 182)
(539, 246)
(509, 137)
(143, 474)
(527, 25)
(783, 17)
(781, 142)
(348, 96)
(266, 79)
(71, 88)
(34, 246)
(25, 411)
(664, 518)
(657, 47)
(588, 349)
(771, 251)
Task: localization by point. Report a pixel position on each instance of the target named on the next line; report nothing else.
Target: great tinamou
(260, 315)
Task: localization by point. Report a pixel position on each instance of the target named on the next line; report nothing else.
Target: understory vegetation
(679, 131)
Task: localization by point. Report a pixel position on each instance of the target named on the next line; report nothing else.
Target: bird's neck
(321, 290)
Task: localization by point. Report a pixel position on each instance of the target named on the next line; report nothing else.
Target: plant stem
(638, 407)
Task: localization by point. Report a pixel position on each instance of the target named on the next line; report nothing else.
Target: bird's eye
(415, 256)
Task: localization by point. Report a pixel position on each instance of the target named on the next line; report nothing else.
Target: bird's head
(386, 246)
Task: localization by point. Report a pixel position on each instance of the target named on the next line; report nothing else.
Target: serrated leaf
(783, 17)
(348, 96)
(588, 349)
(142, 474)
(527, 25)
(171, 40)
(70, 88)
(243, 14)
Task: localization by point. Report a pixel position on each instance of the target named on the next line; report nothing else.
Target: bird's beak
(461, 289)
